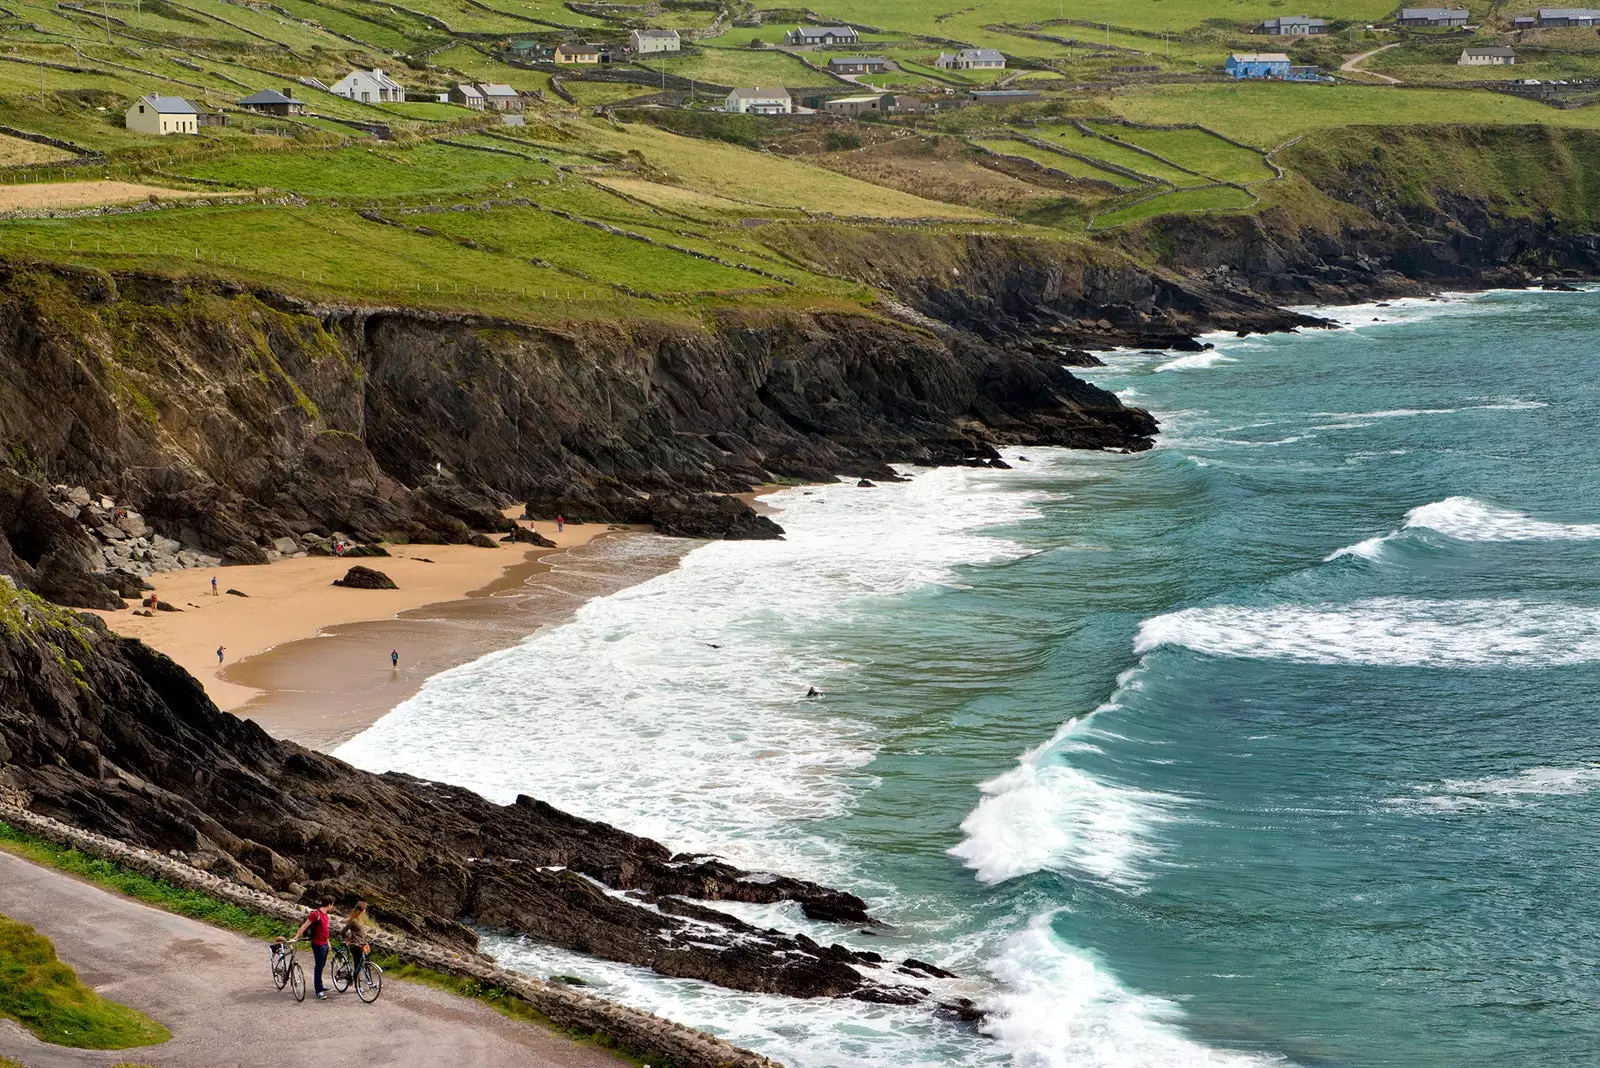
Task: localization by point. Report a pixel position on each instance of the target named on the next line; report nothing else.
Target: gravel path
(213, 990)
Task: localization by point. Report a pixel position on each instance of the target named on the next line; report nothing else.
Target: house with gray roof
(1292, 26)
(1433, 16)
(274, 102)
(500, 97)
(646, 42)
(370, 87)
(759, 101)
(154, 113)
(465, 94)
(828, 36)
(1565, 17)
(1494, 56)
(971, 59)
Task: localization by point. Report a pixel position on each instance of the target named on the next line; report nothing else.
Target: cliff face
(229, 419)
(108, 735)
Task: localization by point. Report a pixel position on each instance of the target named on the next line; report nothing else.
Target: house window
(141, 109)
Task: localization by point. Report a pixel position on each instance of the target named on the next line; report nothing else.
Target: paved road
(214, 992)
(1353, 64)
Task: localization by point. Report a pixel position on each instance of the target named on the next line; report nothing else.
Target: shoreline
(309, 661)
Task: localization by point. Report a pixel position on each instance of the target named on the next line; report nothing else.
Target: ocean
(1273, 745)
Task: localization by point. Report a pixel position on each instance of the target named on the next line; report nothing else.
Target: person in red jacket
(317, 923)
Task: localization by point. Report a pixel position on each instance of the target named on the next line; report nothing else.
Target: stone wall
(683, 1047)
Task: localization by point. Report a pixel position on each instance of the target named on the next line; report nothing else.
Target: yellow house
(157, 114)
(577, 53)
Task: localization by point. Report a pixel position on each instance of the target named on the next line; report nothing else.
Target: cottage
(1499, 56)
(466, 95)
(645, 42)
(1292, 26)
(851, 106)
(1561, 17)
(369, 87)
(1257, 65)
(829, 36)
(273, 102)
(1432, 16)
(857, 65)
(1524, 22)
(576, 53)
(162, 115)
(759, 101)
(971, 59)
(500, 97)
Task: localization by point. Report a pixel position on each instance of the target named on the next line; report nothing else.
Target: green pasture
(1195, 149)
(1056, 161)
(1209, 198)
(1071, 139)
(424, 169)
(736, 67)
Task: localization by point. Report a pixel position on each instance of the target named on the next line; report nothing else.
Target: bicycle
(286, 970)
(368, 983)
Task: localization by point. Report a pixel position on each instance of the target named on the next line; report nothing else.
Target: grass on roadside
(45, 996)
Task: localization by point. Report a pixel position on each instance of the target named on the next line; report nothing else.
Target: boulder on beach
(365, 578)
(529, 536)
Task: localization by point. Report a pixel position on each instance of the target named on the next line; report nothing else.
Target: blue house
(1258, 65)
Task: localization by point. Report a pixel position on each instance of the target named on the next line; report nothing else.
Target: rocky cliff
(110, 736)
(231, 419)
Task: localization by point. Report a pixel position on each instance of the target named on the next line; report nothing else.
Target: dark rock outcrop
(109, 735)
(365, 578)
(709, 515)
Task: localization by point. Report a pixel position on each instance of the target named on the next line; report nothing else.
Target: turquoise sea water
(1275, 744)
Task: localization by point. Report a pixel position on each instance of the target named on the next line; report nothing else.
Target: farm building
(467, 96)
(1557, 17)
(822, 35)
(499, 97)
(971, 59)
(576, 53)
(157, 114)
(865, 104)
(1498, 56)
(759, 101)
(857, 65)
(1002, 96)
(1432, 16)
(274, 102)
(1258, 65)
(1292, 26)
(646, 42)
(369, 87)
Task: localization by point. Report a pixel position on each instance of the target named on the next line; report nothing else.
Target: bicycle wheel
(280, 970)
(369, 984)
(340, 967)
(297, 981)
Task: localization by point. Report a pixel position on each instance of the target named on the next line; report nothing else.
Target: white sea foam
(676, 708)
(1469, 519)
(1197, 360)
(1395, 631)
(1060, 1009)
(1046, 814)
(1511, 405)
(1509, 791)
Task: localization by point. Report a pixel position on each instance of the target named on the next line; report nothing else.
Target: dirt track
(83, 194)
(213, 990)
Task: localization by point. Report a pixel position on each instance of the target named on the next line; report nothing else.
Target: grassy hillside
(46, 997)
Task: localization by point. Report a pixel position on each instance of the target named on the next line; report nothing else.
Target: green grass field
(1056, 161)
(735, 67)
(1195, 149)
(370, 172)
(45, 996)
(1071, 139)
(1210, 198)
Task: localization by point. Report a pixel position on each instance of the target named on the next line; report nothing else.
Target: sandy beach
(310, 661)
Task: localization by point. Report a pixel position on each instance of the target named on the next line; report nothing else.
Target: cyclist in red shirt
(317, 923)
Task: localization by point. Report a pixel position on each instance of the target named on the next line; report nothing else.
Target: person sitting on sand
(356, 934)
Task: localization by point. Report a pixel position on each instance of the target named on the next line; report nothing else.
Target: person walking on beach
(356, 935)
(213, 585)
(394, 659)
(560, 522)
(318, 924)
(220, 651)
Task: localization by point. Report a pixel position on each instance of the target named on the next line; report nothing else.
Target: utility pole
(104, 11)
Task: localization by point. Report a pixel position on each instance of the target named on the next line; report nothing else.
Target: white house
(645, 42)
(759, 101)
(971, 59)
(157, 114)
(370, 87)
(1486, 57)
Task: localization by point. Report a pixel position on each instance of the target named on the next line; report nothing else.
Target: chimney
(288, 90)
(378, 71)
